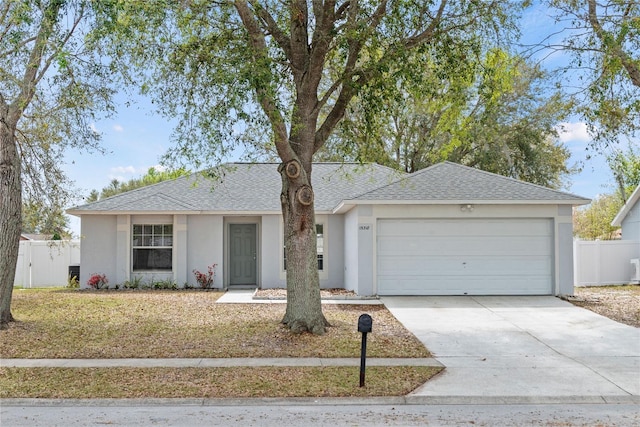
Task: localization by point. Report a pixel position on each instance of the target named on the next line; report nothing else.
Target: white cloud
(93, 127)
(123, 170)
(573, 132)
(125, 173)
(118, 128)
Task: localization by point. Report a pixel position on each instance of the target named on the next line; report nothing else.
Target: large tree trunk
(10, 212)
(304, 308)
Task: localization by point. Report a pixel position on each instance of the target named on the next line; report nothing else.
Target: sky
(136, 138)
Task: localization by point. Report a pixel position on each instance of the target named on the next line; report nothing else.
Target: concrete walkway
(538, 348)
(245, 296)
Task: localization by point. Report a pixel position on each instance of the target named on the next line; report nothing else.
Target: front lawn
(189, 324)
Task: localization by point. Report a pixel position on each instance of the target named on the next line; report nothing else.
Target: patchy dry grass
(188, 324)
(620, 303)
(208, 382)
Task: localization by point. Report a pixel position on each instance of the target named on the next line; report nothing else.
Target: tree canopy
(594, 221)
(51, 88)
(604, 40)
(493, 114)
(152, 176)
(281, 75)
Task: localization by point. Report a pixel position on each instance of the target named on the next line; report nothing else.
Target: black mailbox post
(365, 322)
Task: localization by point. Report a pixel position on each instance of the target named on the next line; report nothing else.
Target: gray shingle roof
(242, 187)
(447, 182)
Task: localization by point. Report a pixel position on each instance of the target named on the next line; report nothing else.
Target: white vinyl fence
(46, 263)
(604, 262)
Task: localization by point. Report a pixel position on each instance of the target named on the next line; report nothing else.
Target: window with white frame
(320, 248)
(152, 247)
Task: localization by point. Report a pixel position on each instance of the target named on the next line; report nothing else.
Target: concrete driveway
(532, 349)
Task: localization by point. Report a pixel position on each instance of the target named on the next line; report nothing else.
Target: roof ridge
(509, 178)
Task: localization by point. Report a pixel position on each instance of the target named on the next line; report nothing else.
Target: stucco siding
(631, 224)
(98, 247)
(351, 250)
(272, 249)
(204, 247)
(334, 242)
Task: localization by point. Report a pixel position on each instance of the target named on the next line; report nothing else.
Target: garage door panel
(458, 257)
(449, 228)
(467, 266)
(421, 245)
(455, 285)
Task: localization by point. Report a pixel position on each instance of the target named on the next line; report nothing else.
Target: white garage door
(464, 257)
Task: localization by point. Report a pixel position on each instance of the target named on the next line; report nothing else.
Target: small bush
(73, 282)
(165, 284)
(205, 280)
(133, 283)
(98, 281)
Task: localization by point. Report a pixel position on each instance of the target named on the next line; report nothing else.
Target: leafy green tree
(50, 87)
(493, 114)
(625, 166)
(40, 218)
(286, 71)
(605, 43)
(594, 221)
(153, 176)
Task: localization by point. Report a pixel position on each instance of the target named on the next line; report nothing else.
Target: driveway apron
(522, 346)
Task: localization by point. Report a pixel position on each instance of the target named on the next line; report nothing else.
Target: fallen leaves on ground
(189, 324)
(67, 383)
(620, 303)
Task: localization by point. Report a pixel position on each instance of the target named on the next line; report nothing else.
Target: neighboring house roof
(448, 182)
(32, 236)
(243, 187)
(624, 211)
(255, 188)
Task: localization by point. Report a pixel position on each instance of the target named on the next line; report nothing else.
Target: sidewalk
(210, 363)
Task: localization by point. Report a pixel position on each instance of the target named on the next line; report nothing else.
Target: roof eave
(347, 205)
(81, 212)
(624, 211)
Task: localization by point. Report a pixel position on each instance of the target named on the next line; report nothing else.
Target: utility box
(635, 276)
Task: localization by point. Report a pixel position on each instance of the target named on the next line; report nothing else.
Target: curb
(330, 401)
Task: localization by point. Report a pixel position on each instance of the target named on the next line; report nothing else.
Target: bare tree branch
(627, 62)
(267, 100)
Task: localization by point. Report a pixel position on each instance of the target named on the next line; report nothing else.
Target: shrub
(133, 283)
(205, 280)
(73, 282)
(165, 284)
(98, 281)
